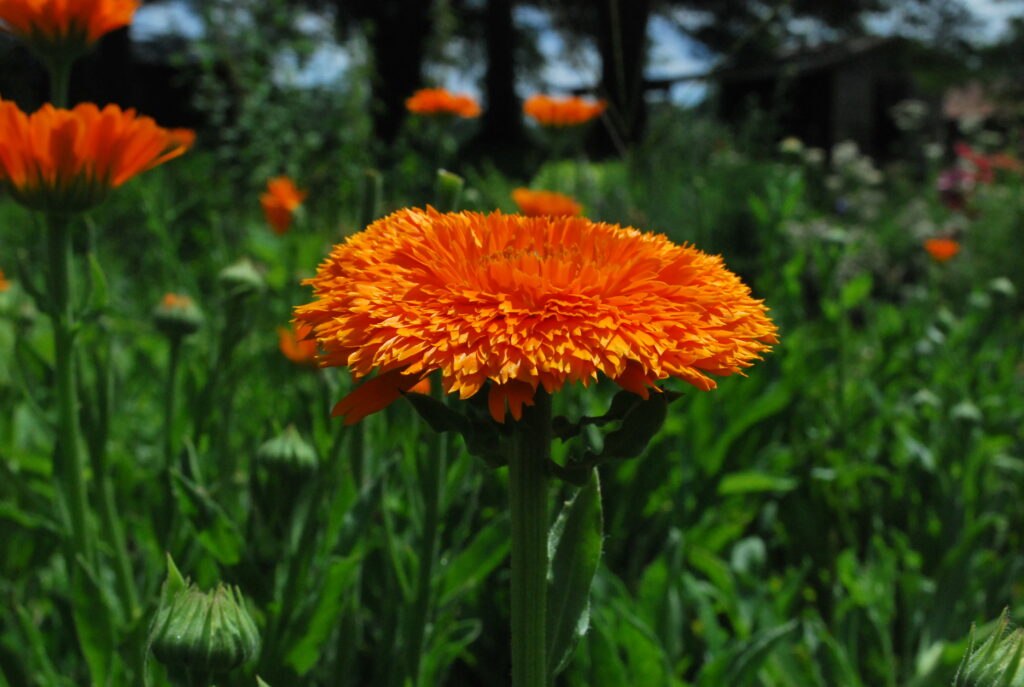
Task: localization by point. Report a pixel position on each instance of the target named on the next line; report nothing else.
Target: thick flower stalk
(434, 102)
(540, 203)
(516, 303)
(65, 161)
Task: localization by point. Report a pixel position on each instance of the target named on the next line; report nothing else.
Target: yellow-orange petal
(535, 203)
(296, 344)
(64, 27)
(279, 203)
(942, 249)
(440, 101)
(562, 112)
(521, 302)
(69, 160)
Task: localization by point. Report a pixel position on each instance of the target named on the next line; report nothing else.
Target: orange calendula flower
(440, 101)
(65, 28)
(515, 303)
(537, 203)
(69, 160)
(296, 345)
(280, 202)
(942, 250)
(562, 112)
(4, 283)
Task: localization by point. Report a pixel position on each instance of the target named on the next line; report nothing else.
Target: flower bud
(241, 279)
(204, 632)
(177, 315)
(999, 661)
(288, 453)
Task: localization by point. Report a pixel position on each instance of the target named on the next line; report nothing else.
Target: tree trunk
(501, 133)
(622, 42)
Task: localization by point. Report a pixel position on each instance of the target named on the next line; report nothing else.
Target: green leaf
(218, 533)
(94, 624)
(753, 481)
(574, 547)
(856, 290)
(305, 652)
(640, 424)
(739, 666)
(260, 682)
(99, 298)
(474, 563)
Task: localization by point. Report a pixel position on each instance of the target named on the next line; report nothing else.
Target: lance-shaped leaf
(574, 548)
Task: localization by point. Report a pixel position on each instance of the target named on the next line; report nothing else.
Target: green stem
(69, 468)
(528, 498)
(170, 510)
(114, 533)
(60, 80)
(432, 482)
(197, 678)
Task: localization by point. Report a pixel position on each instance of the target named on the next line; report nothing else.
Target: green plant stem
(60, 80)
(432, 483)
(69, 468)
(528, 498)
(170, 511)
(196, 678)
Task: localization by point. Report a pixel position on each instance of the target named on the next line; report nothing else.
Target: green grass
(840, 516)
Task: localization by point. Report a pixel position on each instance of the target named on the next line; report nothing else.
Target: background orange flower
(71, 26)
(68, 160)
(280, 202)
(296, 346)
(942, 250)
(4, 283)
(536, 203)
(559, 112)
(440, 101)
(519, 302)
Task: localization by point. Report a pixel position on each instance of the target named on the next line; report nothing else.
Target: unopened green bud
(997, 662)
(201, 632)
(241, 279)
(288, 452)
(177, 315)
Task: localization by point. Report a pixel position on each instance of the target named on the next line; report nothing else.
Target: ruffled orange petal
(374, 395)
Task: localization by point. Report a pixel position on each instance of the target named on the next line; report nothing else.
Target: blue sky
(671, 53)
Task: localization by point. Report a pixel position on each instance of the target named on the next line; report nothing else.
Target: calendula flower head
(440, 101)
(5, 285)
(280, 202)
(69, 160)
(942, 249)
(561, 112)
(538, 203)
(515, 303)
(64, 29)
(296, 345)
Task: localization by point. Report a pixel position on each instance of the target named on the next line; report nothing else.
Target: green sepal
(481, 434)
(437, 414)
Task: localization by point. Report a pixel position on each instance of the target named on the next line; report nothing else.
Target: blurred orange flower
(68, 160)
(942, 250)
(514, 303)
(66, 27)
(296, 345)
(4, 284)
(440, 101)
(280, 202)
(561, 112)
(535, 203)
